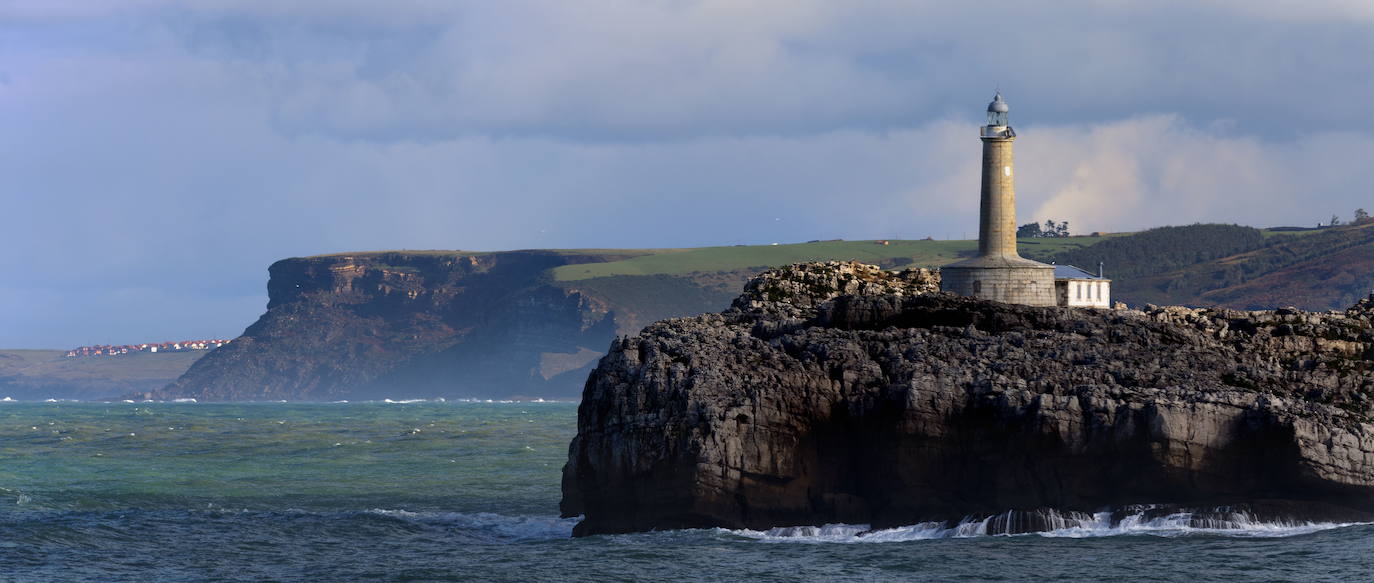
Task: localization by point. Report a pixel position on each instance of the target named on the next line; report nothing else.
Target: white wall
(1090, 293)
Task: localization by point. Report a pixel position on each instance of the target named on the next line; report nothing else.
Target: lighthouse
(998, 272)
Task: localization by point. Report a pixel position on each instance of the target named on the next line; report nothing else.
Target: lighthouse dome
(997, 105)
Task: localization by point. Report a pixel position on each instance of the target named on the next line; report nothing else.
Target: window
(1078, 290)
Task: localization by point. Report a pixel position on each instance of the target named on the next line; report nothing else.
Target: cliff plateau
(838, 393)
(400, 325)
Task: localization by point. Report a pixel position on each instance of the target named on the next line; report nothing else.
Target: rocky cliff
(396, 325)
(839, 393)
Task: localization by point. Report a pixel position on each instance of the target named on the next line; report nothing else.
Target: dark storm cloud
(158, 156)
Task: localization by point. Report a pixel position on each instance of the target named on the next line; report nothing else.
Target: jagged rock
(1362, 309)
(812, 401)
(791, 290)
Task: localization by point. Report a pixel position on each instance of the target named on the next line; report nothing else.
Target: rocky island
(842, 393)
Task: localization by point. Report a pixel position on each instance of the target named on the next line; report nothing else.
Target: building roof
(997, 104)
(1071, 272)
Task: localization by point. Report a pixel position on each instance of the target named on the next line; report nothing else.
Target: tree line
(1361, 217)
(1050, 229)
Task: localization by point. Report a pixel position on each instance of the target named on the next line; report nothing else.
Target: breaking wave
(1056, 525)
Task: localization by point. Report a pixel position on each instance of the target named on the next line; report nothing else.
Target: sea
(469, 490)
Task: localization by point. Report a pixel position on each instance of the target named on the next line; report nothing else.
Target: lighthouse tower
(998, 272)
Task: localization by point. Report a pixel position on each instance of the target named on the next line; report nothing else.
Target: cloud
(673, 69)
(1158, 170)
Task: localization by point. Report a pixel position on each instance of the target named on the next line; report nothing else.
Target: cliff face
(409, 325)
(877, 404)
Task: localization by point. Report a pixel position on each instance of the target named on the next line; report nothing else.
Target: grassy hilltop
(896, 253)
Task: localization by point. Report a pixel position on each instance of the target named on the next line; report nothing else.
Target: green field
(704, 259)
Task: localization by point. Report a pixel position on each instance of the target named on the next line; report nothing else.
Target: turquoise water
(463, 491)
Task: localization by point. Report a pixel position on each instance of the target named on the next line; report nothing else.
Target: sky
(156, 157)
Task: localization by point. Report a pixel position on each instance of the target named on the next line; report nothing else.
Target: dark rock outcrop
(815, 404)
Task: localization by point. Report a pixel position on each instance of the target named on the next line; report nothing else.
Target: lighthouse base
(1012, 280)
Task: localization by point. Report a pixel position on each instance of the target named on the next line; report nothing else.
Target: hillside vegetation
(1233, 266)
(1328, 269)
(1160, 250)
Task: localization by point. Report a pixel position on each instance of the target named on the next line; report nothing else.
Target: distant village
(109, 350)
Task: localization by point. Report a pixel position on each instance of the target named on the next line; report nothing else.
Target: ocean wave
(1062, 525)
(498, 526)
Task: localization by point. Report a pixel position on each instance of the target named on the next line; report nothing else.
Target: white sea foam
(186, 400)
(1236, 524)
(7, 400)
(510, 528)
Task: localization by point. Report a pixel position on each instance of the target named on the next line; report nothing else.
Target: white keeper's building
(1077, 287)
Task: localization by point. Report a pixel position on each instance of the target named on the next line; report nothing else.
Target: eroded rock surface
(871, 399)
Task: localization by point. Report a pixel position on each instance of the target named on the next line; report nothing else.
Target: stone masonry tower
(999, 272)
